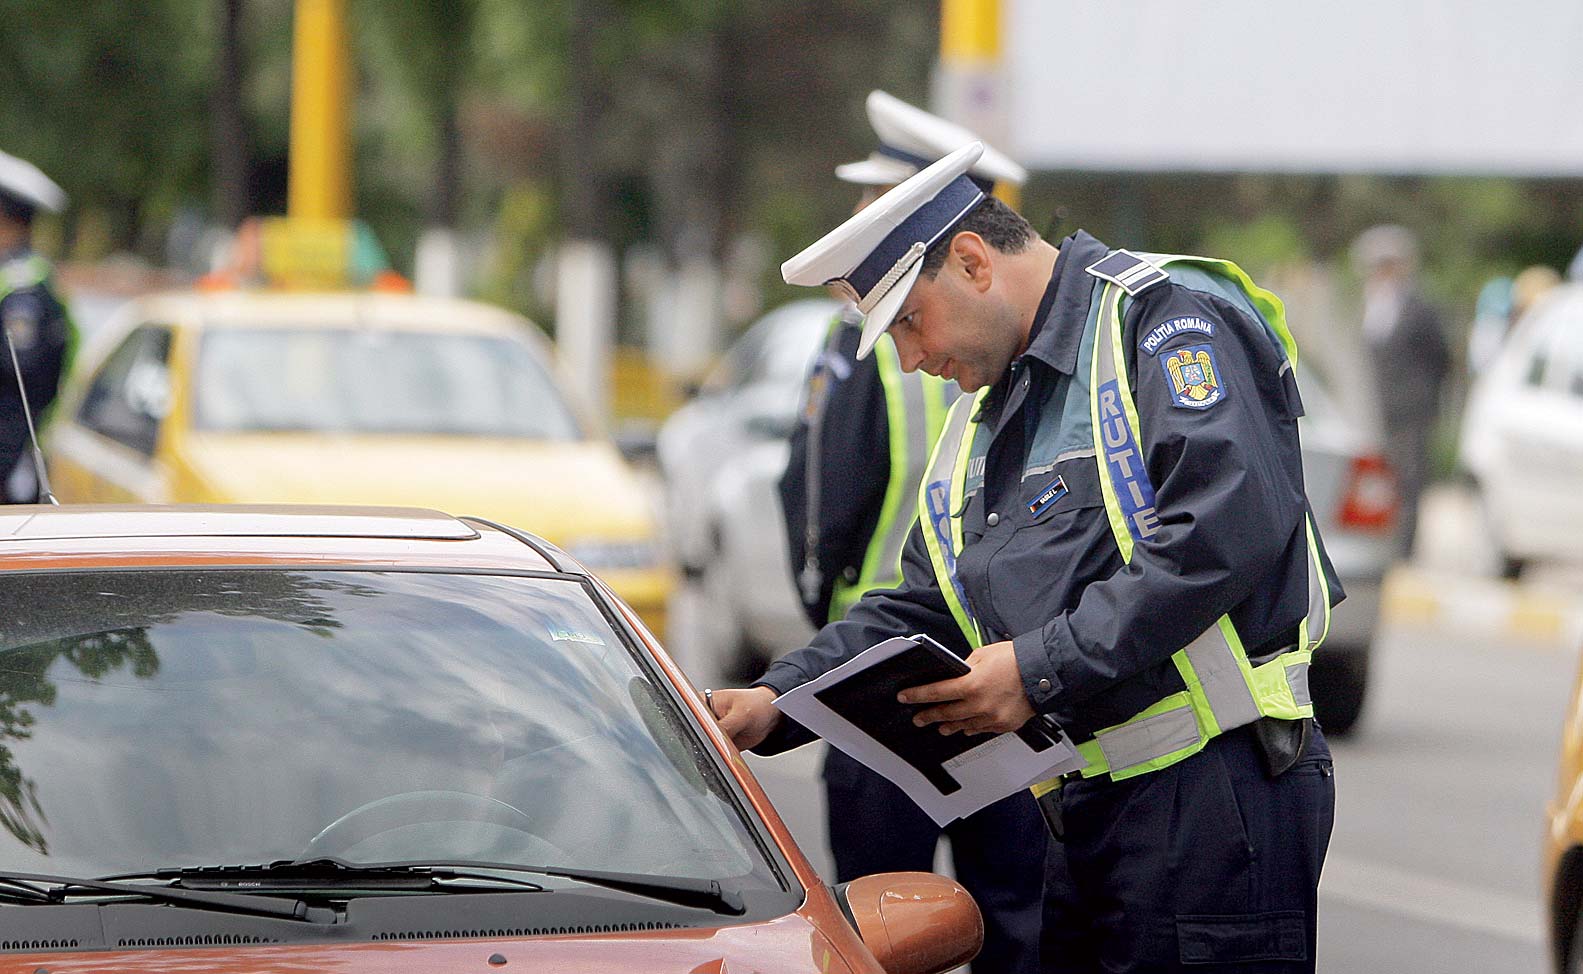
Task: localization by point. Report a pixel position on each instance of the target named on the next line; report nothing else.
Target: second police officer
(1114, 530)
(847, 518)
(38, 330)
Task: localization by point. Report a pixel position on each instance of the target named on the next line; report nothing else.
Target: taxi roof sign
(296, 254)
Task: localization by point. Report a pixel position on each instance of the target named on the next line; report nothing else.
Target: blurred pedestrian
(846, 520)
(1407, 345)
(37, 329)
(1114, 530)
(1502, 302)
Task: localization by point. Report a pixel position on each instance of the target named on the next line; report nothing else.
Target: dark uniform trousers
(1241, 854)
(997, 853)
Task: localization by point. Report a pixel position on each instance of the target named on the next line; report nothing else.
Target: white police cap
(910, 138)
(21, 180)
(876, 255)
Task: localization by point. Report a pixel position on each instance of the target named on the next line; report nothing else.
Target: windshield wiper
(295, 874)
(69, 886)
(287, 874)
(682, 890)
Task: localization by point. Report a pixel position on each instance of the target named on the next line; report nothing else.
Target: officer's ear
(970, 256)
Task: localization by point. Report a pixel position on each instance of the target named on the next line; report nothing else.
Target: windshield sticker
(561, 634)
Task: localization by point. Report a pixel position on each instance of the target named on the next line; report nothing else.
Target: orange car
(272, 739)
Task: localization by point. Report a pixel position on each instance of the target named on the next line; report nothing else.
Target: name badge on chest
(1047, 497)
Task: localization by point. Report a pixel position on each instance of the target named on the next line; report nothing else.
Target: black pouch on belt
(1282, 742)
(1050, 807)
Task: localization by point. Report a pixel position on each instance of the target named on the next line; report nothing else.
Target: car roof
(349, 309)
(75, 537)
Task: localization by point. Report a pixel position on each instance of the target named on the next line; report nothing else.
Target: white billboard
(1412, 86)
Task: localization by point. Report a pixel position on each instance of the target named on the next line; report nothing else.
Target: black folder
(868, 701)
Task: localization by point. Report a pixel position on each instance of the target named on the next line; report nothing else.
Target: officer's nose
(908, 351)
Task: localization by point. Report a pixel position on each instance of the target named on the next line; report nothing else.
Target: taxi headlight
(601, 556)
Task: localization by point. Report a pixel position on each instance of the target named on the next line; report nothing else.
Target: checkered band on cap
(906, 244)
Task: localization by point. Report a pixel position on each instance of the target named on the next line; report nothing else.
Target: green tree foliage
(108, 98)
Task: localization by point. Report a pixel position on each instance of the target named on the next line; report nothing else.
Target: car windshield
(170, 718)
(343, 380)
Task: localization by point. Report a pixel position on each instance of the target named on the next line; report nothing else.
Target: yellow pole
(319, 183)
(970, 49)
(970, 31)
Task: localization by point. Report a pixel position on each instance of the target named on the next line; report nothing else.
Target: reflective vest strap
(1281, 686)
(1156, 738)
(907, 415)
(939, 493)
(1316, 625)
(22, 273)
(1104, 392)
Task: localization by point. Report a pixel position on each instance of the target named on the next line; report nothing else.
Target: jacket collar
(1066, 300)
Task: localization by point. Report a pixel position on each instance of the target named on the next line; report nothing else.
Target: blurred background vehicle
(272, 397)
(721, 456)
(1522, 436)
(485, 744)
(1352, 492)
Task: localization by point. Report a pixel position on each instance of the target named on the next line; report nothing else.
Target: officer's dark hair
(1001, 227)
(15, 210)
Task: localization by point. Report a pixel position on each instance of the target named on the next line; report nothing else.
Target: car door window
(130, 395)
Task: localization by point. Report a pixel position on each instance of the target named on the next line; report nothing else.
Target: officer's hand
(747, 716)
(989, 700)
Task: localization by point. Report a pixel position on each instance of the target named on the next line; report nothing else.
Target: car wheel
(1338, 685)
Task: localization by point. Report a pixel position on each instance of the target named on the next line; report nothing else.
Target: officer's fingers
(953, 689)
(973, 725)
(956, 710)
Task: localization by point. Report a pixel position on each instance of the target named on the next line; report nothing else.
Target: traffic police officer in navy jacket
(853, 546)
(1198, 852)
(37, 327)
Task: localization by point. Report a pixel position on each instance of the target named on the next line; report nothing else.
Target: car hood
(787, 945)
(564, 491)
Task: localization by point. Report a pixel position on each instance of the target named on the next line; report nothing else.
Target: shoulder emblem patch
(1195, 383)
(1163, 332)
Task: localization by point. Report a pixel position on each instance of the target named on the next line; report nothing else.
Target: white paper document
(854, 708)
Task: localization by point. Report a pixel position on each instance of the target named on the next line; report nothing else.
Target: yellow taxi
(355, 397)
(1563, 845)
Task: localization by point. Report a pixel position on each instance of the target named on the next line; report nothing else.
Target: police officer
(847, 518)
(37, 328)
(1114, 531)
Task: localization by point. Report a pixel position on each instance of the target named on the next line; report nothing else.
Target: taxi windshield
(168, 718)
(346, 380)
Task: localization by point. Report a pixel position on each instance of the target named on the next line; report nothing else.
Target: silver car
(722, 456)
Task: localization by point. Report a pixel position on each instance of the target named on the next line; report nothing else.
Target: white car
(1522, 436)
(723, 454)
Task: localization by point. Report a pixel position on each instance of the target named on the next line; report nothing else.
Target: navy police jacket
(1093, 636)
(37, 327)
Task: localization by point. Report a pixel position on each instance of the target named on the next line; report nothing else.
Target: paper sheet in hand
(854, 707)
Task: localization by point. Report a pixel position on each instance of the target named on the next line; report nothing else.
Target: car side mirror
(914, 923)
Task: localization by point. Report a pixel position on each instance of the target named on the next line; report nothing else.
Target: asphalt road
(1434, 863)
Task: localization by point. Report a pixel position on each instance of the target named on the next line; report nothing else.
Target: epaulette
(1130, 272)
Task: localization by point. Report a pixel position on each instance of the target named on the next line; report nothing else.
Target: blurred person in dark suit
(1406, 340)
